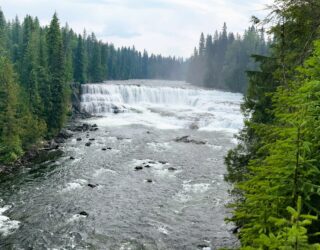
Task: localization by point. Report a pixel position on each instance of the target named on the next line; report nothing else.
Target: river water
(176, 197)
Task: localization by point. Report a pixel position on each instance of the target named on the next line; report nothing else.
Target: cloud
(170, 27)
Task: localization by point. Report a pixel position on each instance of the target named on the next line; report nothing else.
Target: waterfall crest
(165, 107)
(106, 98)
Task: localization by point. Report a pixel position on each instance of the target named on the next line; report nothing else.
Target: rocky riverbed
(148, 178)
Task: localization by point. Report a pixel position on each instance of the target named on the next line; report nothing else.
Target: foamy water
(163, 107)
(7, 226)
(175, 201)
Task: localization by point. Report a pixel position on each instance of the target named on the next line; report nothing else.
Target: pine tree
(10, 143)
(56, 60)
(79, 63)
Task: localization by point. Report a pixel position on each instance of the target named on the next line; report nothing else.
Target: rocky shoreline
(50, 149)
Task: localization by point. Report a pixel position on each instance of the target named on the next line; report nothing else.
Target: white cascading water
(167, 107)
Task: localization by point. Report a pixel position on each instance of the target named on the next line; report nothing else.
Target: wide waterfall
(99, 98)
(166, 106)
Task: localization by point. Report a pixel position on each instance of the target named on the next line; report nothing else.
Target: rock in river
(83, 213)
(92, 185)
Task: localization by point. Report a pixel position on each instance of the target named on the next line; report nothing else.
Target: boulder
(88, 144)
(172, 169)
(187, 139)
(163, 162)
(202, 245)
(59, 140)
(92, 185)
(83, 213)
(137, 168)
(64, 134)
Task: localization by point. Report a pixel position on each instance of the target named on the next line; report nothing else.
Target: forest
(274, 170)
(275, 167)
(221, 60)
(37, 65)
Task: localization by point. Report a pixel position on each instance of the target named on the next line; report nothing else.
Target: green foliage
(290, 233)
(10, 142)
(222, 60)
(56, 63)
(38, 64)
(275, 166)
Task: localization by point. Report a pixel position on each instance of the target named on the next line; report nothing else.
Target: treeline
(221, 60)
(37, 65)
(275, 168)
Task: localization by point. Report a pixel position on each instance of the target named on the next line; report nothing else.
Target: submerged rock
(92, 185)
(79, 139)
(137, 168)
(147, 166)
(88, 144)
(203, 246)
(172, 169)
(187, 139)
(92, 139)
(83, 213)
(149, 181)
(72, 158)
(163, 162)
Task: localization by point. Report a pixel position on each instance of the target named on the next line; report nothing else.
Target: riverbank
(49, 150)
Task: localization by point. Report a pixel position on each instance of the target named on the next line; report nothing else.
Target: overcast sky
(169, 27)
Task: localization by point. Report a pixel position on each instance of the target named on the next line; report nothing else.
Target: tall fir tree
(56, 62)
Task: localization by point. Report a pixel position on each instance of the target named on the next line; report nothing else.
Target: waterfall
(107, 98)
(163, 106)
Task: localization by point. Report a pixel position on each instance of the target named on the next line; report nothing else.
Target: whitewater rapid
(150, 175)
(163, 107)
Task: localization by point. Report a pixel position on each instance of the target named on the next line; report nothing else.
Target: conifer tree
(56, 60)
(10, 143)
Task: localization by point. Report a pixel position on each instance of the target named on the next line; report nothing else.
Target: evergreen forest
(275, 167)
(38, 65)
(221, 60)
(274, 170)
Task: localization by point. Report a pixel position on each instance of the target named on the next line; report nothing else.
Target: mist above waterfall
(165, 105)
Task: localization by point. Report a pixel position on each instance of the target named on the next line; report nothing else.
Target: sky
(169, 27)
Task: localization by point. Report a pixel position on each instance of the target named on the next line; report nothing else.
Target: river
(152, 177)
